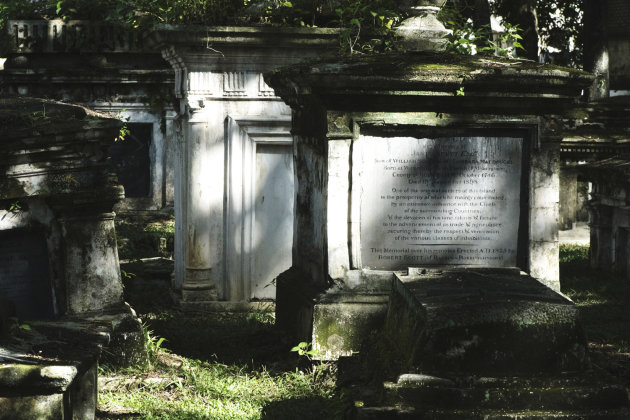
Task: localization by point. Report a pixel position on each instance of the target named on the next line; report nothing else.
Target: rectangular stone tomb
(442, 201)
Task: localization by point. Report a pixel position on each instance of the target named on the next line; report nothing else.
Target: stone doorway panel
(273, 217)
(259, 205)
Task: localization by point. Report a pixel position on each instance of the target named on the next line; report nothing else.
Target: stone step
(406, 413)
(558, 393)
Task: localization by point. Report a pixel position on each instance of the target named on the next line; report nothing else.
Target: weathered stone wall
(106, 68)
(351, 119)
(229, 119)
(543, 218)
(619, 44)
(609, 215)
(54, 179)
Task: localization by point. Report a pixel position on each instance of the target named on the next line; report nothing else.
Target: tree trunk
(527, 20)
(481, 18)
(523, 14)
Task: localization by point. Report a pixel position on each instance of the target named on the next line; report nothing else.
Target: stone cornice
(430, 82)
(251, 48)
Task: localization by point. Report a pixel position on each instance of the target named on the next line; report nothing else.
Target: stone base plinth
(483, 321)
(223, 306)
(199, 295)
(47, 391)
(335, 321)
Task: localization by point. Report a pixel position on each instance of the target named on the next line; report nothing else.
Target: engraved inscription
(447, 201)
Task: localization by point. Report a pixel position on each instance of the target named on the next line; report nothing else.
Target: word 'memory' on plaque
(445, 201)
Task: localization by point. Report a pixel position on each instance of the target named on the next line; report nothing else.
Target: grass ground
(603, 299)
(238, 366)
(213, 366)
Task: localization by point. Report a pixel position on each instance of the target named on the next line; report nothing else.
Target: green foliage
(468, 40)
(191, 389)
(133, 13)
(140, 237)
(122, 133)
(366, 26)
(207, 12)
(227, 385)
(603, 299)
(560, 26)
(304, 349)
(573, 253)
(15, 326)
(374, 18)
(153, 344)
(14, 207)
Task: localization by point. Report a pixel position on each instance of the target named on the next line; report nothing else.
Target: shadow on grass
(105, 415)
(239, 339)
(312, 408)
(603, 299)
(248, 338)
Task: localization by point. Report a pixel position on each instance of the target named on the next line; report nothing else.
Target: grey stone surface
(53, 167)
(609, 219)
(233, 170)
(341, 323)
(446, 201)
(485, 321)
(41, 407)
(104, 67)
(340, 103)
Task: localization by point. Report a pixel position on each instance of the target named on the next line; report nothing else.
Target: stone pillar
(568, 197)
(170, 158)
(601, 236)
(92, 272)
(544, 205)
(204, 177)
(198, 285)
(180, 203)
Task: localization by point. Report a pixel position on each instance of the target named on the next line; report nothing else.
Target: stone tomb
(59, 269)
(426, 237)
(396, 170)
(233, 165)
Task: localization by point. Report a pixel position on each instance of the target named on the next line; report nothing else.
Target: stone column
(197, 284)
(171, 139)
(544, 204)
(92, 272)
(178, 157)
(568, 197)
(601, 236)
(204, 177)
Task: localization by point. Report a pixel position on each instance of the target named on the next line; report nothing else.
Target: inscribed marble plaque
(445, 201)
